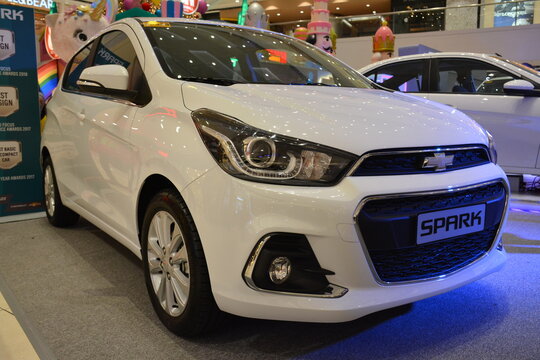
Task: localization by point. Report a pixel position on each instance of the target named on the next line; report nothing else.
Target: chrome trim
(103, 97)
(424, 193)
(397, 152)
(337, 291)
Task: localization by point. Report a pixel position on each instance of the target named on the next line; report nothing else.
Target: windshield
(521, 66)
(227, 55)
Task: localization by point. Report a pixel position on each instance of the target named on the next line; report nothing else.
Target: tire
(57, 214)
(175, 268)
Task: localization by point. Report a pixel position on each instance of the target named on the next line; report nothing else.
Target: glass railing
(459, 15)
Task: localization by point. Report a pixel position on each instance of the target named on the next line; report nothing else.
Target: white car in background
(257, 175)
(501, 95)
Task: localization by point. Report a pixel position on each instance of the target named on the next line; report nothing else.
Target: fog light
(279, 270)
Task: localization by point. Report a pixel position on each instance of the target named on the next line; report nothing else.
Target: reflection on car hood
(354, 120)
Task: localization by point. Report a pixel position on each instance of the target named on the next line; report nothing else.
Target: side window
(116, 48)
(470, 77)
(75, 67)
(405, 77)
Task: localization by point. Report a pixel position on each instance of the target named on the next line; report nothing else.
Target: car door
(106, 162)
(408, 76)
(67, 148)
(476, 88)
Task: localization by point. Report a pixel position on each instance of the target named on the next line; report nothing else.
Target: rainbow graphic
(48, 78)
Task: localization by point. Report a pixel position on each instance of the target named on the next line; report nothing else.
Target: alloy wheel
(168, 263)
(50, 193)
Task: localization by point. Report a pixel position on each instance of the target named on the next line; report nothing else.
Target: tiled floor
(14, 344)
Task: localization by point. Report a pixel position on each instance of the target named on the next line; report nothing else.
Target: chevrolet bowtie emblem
(438, 162)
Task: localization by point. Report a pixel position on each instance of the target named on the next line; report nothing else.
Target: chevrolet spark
(256, 175)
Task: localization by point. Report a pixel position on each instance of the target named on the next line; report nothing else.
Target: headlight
(492, 150)
(257, 155)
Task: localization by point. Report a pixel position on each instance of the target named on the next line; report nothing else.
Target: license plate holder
(444, 224)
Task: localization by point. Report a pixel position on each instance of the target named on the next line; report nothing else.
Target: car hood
(351, 119)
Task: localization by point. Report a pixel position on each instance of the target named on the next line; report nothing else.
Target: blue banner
(21, 190)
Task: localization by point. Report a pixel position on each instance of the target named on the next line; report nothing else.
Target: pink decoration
(190, 6)
(320, 18)
(130, 4)
(203, 7)
(301, 33)
(384, 32)
(172, 8)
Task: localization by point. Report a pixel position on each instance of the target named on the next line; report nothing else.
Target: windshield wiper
(311, 84)
(216, 81)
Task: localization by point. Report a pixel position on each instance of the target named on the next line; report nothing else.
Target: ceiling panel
(291, 10)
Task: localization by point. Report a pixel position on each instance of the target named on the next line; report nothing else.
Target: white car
(255, 174)
(502, 95)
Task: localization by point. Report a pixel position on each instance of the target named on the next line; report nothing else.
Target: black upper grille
(389, 226)
(407, 161)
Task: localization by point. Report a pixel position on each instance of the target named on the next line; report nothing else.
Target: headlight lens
(254, 154)
(492, 150)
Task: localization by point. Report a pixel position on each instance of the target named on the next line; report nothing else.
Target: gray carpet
(85, 294)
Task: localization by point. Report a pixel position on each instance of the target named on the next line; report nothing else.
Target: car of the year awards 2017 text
(503, 96)
(256, 175)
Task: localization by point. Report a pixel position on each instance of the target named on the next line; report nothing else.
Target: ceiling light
(271, 7)
(367, 5)
(305, 3)
(301, 11)
(278, 14)
(337, 8)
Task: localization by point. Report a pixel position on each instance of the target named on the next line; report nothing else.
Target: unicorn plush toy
(73, 25)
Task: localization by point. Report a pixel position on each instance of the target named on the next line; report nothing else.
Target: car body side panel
(511, 121)
(108, 169)
(61, 147)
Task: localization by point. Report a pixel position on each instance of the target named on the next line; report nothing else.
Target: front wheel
(57, 214)
(175, 267)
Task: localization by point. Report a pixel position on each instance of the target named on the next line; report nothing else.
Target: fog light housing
(285, 262)
(279, 270)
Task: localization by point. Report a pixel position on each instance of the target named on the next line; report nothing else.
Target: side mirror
(100, 77)
(520, 87)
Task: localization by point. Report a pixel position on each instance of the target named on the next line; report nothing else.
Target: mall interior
(76, 291)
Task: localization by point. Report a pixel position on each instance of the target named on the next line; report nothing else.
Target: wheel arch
(151, 186)
(44, 154)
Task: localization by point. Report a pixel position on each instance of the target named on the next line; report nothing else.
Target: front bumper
(233, 215)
